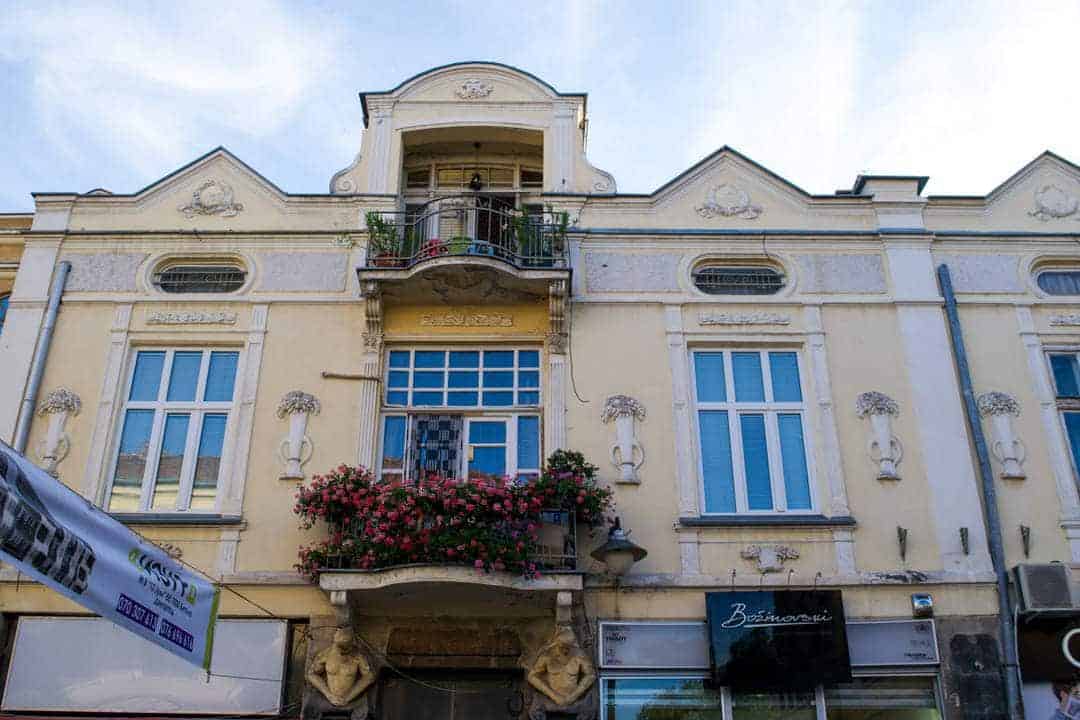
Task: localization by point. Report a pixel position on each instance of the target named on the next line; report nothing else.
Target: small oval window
(200, 279)
(732, 280)
(1060, 282)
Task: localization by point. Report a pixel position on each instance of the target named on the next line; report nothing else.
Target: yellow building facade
(766, 378)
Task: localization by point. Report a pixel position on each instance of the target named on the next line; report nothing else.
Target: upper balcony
(470, 229)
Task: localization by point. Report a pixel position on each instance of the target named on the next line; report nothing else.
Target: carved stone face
(212, 196)
(343, 640)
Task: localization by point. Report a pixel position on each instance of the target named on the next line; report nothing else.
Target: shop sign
(655, 645)
(892, 642)
(59, 539)
(783, 639)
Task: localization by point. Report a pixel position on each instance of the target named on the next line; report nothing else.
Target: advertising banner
(1049, 649)
(59, 539)
(783, 639)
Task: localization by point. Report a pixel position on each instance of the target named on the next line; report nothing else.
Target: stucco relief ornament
(770, 558)
(884, 447)
(58, 405)
(296, 449)
(624, 410)
(727, 200)
(562, 673)
(213, 197)
(1053, 203)
(474, 89)
(1001, 408)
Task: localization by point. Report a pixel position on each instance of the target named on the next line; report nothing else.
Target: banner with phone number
(56, 537)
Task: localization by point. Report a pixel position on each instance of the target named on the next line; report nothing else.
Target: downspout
(41, 355)
(1006, 625)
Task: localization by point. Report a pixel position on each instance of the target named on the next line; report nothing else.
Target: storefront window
(773, 706)
(896, 698)
(659, 698)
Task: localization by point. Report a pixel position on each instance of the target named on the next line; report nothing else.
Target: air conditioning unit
(1045, 588)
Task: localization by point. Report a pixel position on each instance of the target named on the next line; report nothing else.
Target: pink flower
(479, 564)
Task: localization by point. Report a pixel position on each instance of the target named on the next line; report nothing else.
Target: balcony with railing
(468, 229)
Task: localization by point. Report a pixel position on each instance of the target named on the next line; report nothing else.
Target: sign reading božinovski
(56, 537)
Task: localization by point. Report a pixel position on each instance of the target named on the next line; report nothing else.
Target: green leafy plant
(383, 236)
(485, 523)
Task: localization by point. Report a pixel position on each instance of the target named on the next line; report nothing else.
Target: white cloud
(147, 83)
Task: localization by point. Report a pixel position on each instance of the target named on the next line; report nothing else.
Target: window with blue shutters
(754, 453)
(461, 412)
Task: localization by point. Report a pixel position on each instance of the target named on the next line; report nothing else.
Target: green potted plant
(382, 241)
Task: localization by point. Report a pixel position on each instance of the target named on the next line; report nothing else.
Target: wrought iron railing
(474, 225)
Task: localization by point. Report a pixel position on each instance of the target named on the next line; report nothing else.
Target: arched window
(3, 310)
(1059, 282)
(195, 277)
(737, 279)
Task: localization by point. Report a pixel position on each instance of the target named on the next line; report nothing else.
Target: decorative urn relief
(624, 410)
(770, 558)
(884, 447)
(296, 448)
(58, 405)
(726, 200)
(212, 197)
(1001, 408)
(1053, 203)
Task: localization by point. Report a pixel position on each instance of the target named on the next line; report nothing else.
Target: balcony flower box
(489, 524)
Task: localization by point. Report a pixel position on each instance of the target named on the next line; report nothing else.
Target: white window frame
(507, 413)
(162, 408)
(1064, 404)
(770, 410)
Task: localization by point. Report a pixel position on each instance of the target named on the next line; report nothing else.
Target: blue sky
(115, 95)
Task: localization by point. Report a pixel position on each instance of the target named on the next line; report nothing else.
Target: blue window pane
(784, 372)
(498, 379)
(498, 399)
(746, 367)
(464, 379)
(208, 464)
(430, 359)
(1064, 367)
(487, 432)
(793, 453)
(498, 358)
(221, 376)
(489, 461)
(756, 462)
(427, 398)
(171, 460)
(399, 359)
(529, 379)
(428, 379)
(131, 460)
(185, 376)
(709, 375)
(393, 449)
(147, 377)
(529, 359)
(1072, 427)
(528, 398)
(717, 474)
(528, 443)
(3, 310)
(464, 359)
(397, 398)
(462, 399)
(399, 379)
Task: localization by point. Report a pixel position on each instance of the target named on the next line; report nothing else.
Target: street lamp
(618, 553)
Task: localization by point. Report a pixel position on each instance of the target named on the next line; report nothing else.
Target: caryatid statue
(339, 671)
(562, 671)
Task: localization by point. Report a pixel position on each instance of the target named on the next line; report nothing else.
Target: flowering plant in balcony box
(486, 523)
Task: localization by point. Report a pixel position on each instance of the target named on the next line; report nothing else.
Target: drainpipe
(990, 506)
(41, 354)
